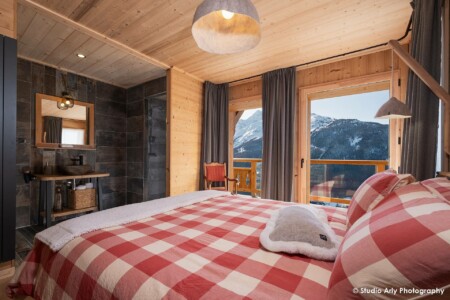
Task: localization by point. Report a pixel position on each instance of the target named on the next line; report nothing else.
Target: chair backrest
(215, 172)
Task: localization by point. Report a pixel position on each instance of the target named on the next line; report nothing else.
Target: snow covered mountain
(330, 138)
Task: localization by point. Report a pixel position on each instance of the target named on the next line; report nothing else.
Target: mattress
(206, 250)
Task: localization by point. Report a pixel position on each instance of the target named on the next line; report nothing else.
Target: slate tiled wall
(138, 99)
(110, 134)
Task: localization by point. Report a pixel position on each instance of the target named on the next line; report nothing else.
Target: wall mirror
(71, 128)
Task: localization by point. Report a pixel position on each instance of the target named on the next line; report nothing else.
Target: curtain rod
(408, 29)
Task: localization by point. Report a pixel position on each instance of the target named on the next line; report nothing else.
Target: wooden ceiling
(122, 39)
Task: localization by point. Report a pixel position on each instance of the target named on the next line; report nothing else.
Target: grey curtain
(420, 131)
(53, 129)
(278, 100)
(215, 125)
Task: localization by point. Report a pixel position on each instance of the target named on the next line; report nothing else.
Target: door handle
(302, 162)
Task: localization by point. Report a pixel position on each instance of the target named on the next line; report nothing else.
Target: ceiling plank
(92, 33)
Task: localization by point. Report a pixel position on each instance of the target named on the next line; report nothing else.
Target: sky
(360, 106)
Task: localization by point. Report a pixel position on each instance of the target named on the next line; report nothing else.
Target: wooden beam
(92, 33)
(420, 72)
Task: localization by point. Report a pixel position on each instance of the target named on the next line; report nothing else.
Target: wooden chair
(217, 173)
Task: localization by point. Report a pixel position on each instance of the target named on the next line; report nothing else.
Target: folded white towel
(89, 185)
(81, 187)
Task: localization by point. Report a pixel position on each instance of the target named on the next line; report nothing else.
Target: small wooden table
(47, 192)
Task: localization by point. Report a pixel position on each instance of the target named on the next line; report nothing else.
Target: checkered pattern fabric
(439, 186)
(208, 250)
(403, 243)
(372, 191)
(322, 189)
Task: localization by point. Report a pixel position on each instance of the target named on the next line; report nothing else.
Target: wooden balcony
(247, 176)
(379, 166)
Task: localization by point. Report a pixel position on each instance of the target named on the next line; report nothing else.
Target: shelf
(68, 211)
(43, 177)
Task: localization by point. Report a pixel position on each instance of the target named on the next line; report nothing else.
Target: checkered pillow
(439, 186)
(403, 243)
(372, 191)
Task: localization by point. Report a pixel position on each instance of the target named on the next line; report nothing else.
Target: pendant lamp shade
(66, 101)
(226, 26)
(393, 109)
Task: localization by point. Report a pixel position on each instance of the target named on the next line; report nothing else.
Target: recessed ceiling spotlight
(80, 55)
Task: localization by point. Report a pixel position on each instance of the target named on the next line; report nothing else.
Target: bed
(208, 250)
(205, 245)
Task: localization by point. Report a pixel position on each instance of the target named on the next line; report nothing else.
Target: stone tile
(114, 199)
(110, 108)
(156, 86)
(37, 78)
(113, 184)
(156, 187)
(135, 170)
(135, 109)
(24, 91)
(82, 89)
(111, 154)
(135, 124)
(22, 195)
(135, 93)
(50, 85)
(23, 153)
(23, 70)
(19, 173)
(109, 123)
(156, 162)
(50, 71)
(90, 90)
(22, 216)
(135, 139)
(109, 92)
(110, 139)
(72, 81)
(135, 155)
(23, 131)
(23, 112)
(155, 174)
(134, 198)
(114, 169)
(157, 149)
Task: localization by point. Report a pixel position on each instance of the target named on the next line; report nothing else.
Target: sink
(77, 170)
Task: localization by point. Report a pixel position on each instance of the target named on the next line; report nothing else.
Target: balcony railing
(329, 184)
(324, 182)
(249, 176)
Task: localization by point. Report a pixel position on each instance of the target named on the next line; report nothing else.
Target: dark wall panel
(110, 134)
(8, 70)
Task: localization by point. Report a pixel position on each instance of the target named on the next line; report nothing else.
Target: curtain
(278, 100)
(52, 129)
(215, 125)
(420, 131)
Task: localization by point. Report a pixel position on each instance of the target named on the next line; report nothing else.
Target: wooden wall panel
(185, 110)
(8, 14)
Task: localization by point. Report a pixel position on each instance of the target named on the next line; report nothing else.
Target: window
(347, 144)
(247, 151)
(72, 136)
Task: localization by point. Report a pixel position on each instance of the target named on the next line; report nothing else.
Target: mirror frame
(38, 125)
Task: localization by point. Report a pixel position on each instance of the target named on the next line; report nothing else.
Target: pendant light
(66, 101)
(393, 108)
(226, 26)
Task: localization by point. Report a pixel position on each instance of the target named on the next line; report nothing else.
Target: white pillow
(301, 229)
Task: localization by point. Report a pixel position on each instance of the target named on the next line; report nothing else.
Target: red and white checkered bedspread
(208, 250)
